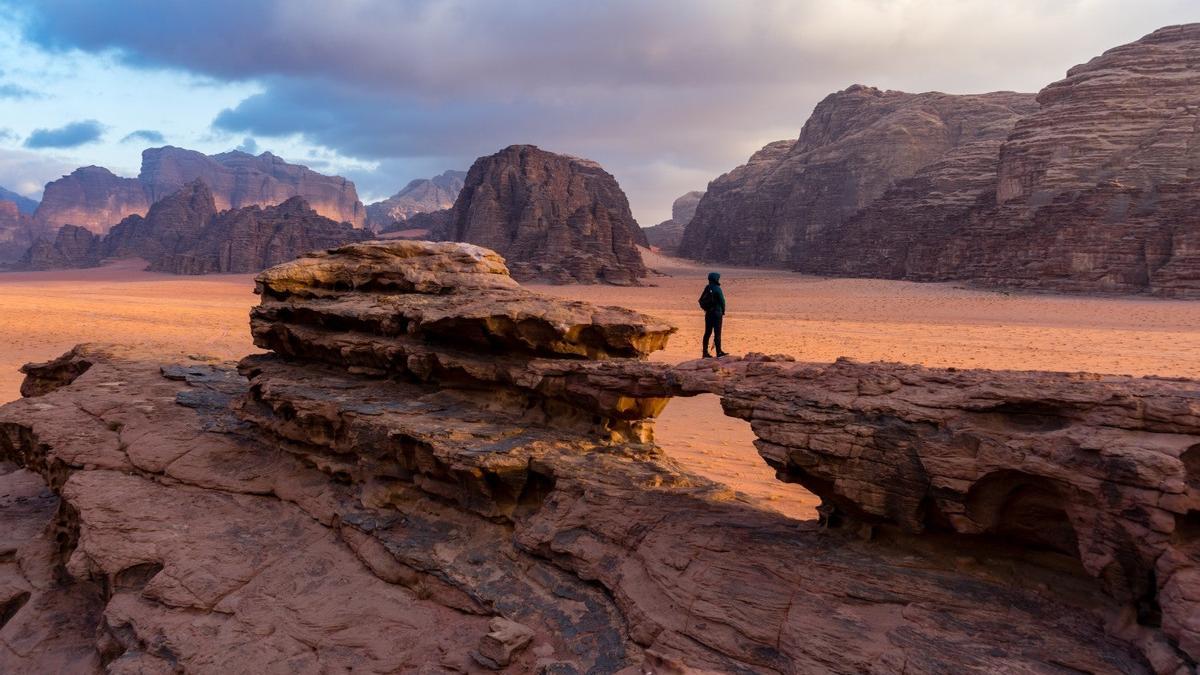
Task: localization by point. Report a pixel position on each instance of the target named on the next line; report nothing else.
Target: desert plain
(42, 314)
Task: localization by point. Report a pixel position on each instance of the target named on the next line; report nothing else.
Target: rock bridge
(426, 444)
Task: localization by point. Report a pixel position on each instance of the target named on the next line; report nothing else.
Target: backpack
(708, 299)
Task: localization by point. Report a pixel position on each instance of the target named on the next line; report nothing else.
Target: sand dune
(44, 313)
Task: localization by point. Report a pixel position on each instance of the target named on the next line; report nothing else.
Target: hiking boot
(720, 354)
(706, 355)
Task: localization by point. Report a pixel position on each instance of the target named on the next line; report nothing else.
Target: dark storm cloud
(650, 89)
(71, 135)
(145, 135)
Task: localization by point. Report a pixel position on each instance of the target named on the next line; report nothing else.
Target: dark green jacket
(714, 283)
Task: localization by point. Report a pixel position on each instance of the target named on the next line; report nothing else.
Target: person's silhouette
(712, 301)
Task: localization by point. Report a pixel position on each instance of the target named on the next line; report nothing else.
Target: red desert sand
(42, 314)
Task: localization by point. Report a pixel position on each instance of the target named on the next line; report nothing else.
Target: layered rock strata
(94, 198)
(403, 485)
(552, 217)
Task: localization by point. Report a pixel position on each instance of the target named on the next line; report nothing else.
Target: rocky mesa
(552, 217)
(185, 233)
(432, 469)
(96, 199)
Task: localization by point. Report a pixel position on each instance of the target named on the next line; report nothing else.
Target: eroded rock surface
(398, 485)
(551, 216)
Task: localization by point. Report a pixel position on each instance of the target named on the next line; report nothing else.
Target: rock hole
(135, 577)
(1024, 508)
(1148, 611)
(10, 607)
(1029, 416)
(696, 432)
(1187, 528)
(1191, 466)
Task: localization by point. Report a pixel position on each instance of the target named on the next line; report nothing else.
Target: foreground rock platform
(383, 495)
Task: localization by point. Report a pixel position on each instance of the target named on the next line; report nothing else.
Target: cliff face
(94, 198)
(856, 145)
(667, 234)
(1093, 189)
(238, 179)
(424, 195)
(551, 216)
(91, 197)
(463, 472)
(1100, 189)
(184, 233)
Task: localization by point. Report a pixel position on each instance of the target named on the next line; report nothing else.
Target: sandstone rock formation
(856, 145)
(423, 195)
(551, 216)
(667, 234)
(72, 247)
(185, 234)
(238, 179)
(436, 470)
(93, 198)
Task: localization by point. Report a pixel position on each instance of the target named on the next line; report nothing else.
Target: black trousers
(712, 327)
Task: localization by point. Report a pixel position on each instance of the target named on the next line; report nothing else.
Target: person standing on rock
(712, 301)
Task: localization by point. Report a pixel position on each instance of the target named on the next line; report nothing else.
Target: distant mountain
(96, 199)
(24, 204)
(423, 195)
(667, 234)
(184, 233)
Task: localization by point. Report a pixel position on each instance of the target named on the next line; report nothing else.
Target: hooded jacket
(714, 283)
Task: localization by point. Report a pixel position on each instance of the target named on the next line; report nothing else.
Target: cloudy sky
(666, 94)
